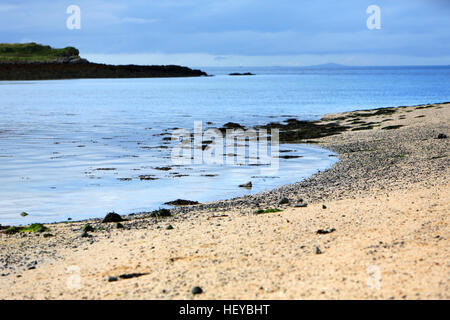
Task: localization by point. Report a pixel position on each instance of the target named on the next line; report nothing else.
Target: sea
(78, 149)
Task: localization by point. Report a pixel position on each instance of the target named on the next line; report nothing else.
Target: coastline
(17, 71)
(386, 199)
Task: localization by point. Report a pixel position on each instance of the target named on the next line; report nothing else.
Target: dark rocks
(301, 205)
(32, 265)
(197, 290)
(163, 168)
(131, 275)
(112, 217)
(241, 74)
(161, 213)
(78, 69)
(324, 206)
(326, 231)
(112, 279)
(391, 127)
(283, 201)
(84, 234)
(24, 214)
(47, 235)
(317, 250)
(247, 185)
(169, 227)
(147, 177)
(181, 202)
(442, 136)
(232, 125)
(119, 225)
(294, 130)
(290, 157)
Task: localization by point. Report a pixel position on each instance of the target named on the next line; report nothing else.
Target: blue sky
(238, 32)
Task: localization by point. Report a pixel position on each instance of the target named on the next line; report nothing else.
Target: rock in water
(197, 290)
(112, 217)
(248, 185)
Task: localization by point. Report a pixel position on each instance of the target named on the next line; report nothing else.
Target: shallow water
(55, 135)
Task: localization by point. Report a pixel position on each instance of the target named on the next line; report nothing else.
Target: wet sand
(382, 211)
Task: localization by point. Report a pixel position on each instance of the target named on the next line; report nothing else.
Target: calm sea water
(55, 135)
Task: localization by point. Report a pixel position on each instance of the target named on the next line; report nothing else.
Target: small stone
(301, 205)
(112, 279)
(329, 230)
(324, 206)
(47, 235)
(317, 250)
(197, 290)
(24, 214)
(169, 227)
(119, 225)
(442, 136)
(283, 201)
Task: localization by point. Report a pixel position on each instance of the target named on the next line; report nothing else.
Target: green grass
(35, 227)
(26, 52)
(261, 211)
(88, 228)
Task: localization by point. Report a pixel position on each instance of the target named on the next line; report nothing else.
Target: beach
(373, 226)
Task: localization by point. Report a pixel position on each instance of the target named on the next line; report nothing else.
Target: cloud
(237, 28)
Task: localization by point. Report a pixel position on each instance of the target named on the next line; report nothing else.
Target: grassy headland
(32, 61)
(33, 52)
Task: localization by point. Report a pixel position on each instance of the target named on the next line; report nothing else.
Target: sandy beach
(374, 226)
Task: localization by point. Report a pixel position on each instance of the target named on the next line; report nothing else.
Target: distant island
(32, 61)
(241, 74)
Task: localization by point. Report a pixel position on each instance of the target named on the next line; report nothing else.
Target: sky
(237, 32)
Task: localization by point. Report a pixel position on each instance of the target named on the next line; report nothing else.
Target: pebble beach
(373, 226)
